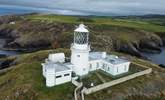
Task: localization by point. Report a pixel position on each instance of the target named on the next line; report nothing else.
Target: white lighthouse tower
(80, 51)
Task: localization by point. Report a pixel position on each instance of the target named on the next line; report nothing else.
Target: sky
(102, 7)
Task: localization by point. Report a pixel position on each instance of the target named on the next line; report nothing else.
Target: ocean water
(157, 58)
(5, 52)
(9, 10)
(5, 10)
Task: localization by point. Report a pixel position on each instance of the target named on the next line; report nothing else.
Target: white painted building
(109, 63)
(57, 71)
(80, 51)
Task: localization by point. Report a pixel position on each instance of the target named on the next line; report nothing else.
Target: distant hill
(152, 18)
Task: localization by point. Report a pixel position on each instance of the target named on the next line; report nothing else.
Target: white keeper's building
(57, 71)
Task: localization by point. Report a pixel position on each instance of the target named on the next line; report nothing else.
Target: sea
(5, 10)
(157, 58)
(10, 10)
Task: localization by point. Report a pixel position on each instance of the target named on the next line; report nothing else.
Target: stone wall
(115, 82)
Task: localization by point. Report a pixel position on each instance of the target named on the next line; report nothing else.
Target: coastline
(152, 44)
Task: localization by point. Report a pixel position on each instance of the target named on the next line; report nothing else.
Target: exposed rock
(161, 65)
(150, 46)
(6, 63)
(2, 55)
(129, 48)
(35, 35)
(162, 36)
(9, 18)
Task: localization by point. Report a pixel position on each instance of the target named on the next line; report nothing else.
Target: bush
(85, 19)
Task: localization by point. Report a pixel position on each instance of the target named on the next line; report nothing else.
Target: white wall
(93, 65)
(106, 65)
(121, 68)
(43, 70)
(115, 69)
(112, 69)
(63, 79)
(80, 61)
(57, 57)
(50, 80)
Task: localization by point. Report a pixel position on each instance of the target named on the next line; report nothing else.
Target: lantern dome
(81, 28)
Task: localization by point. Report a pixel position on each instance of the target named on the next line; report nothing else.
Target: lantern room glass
(81, 37)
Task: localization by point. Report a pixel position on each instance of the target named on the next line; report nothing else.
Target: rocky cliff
(29, 34)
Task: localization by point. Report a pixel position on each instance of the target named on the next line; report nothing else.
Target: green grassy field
(47, 31)
(137, 24)
(93, 78)
(25, 80)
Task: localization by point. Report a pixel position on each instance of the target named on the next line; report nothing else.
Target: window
(104, 65)
(97, 65)
(84, 69)
(108, 69)
(78, 55)
(66, 74)
(90, 66)
(58, 76)
(117, 70)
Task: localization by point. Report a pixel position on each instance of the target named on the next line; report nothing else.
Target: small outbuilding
(55, 71)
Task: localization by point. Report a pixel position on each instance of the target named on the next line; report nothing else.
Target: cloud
(118, 7)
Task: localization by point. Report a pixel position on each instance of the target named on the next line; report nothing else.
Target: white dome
(81, 28)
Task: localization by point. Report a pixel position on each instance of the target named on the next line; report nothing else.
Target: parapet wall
(117, 81)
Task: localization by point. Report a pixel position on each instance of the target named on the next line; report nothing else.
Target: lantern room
(81, 35)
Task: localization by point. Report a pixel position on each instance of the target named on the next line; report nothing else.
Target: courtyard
(99, 77)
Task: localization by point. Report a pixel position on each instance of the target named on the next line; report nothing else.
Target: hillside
(36, 31)
(24, 81)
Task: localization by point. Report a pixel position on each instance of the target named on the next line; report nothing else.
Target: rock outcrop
(30, 35)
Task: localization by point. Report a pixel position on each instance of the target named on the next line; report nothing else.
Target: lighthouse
(80, 50)
(57, 71)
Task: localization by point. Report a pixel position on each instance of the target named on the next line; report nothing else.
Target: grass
(52, 18)
(57, 31)
(135, 86)
(102, 21)
(25, 81)
(93, 78)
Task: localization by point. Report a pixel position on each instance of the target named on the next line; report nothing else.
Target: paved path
(77, 92)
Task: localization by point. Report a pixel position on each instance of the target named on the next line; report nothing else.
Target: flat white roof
(114, 60)
(58, 67)
(95, 55)
(109, 58)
